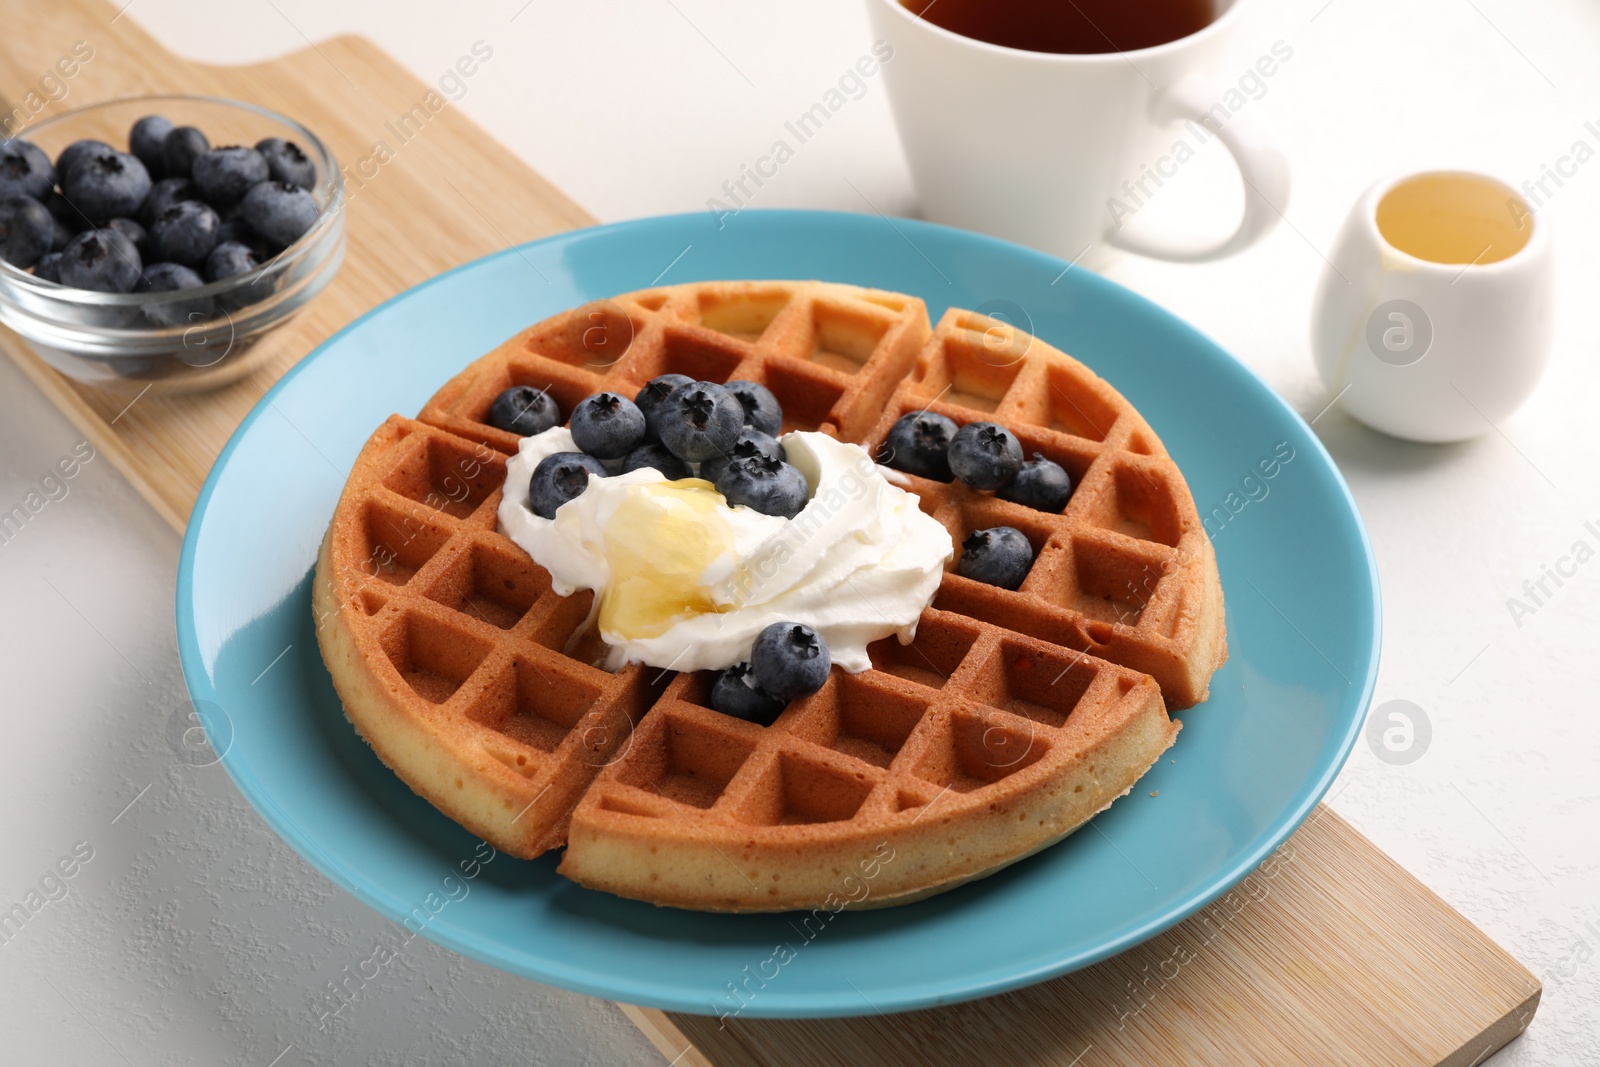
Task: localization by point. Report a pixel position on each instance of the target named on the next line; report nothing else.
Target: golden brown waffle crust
(384, 644)
(471, 787)
(885, 861)
(1010, 719)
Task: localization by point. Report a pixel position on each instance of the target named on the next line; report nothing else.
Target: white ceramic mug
(1058, 150)
(1433, 319)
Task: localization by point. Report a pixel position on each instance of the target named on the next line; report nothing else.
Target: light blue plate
(1302, 611)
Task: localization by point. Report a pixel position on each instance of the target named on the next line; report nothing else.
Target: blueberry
(60, 233)
(184, 233)
(985, 455)
(164, 194)
(180, 148)
(146, 139)
(764, 484)
(287, 163)
(524, 410)
(278, 211)
(224, 175)
(750, 442)
(26, 230)
(761, 408)
(996, 556)
(76, 151)
(25, 170)
(167, 278)
(227, 259)
(700, 420)
(650, 399)
(560, 477)
(607, 426)
(48, 267)
(735, 693)
(657, 457)
(106, 185)
(919, 443)
(230, 259)
(131, 230)
(789, 660)
(1041, 484)
(102, 260)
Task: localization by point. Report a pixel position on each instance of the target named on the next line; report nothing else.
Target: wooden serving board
(1330, 954)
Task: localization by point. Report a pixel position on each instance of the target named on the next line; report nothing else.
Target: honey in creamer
(1454, 218)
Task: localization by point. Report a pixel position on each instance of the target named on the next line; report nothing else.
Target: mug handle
(1263, 167)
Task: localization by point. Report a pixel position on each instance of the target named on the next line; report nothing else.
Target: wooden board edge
(1360, 839)
(659, 1029)
(1497, 1035)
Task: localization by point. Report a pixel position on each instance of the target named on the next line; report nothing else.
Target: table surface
(193, 936)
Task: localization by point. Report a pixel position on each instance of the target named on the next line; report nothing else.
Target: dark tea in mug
(1068, 26)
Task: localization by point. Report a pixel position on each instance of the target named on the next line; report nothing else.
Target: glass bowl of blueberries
(154, 239)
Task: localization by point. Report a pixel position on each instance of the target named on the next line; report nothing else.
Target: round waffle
(1011, 719)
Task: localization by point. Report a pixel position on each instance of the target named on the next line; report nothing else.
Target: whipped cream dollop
(685, 582)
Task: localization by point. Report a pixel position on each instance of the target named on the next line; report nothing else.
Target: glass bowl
(104, 338)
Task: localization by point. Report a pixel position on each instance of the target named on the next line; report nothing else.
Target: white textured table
(192, 936)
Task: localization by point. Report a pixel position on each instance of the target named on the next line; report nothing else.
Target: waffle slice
(1012, 717)
(451, 654)
(954, 756)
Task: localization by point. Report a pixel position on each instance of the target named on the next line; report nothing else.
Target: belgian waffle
(1010, 719)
